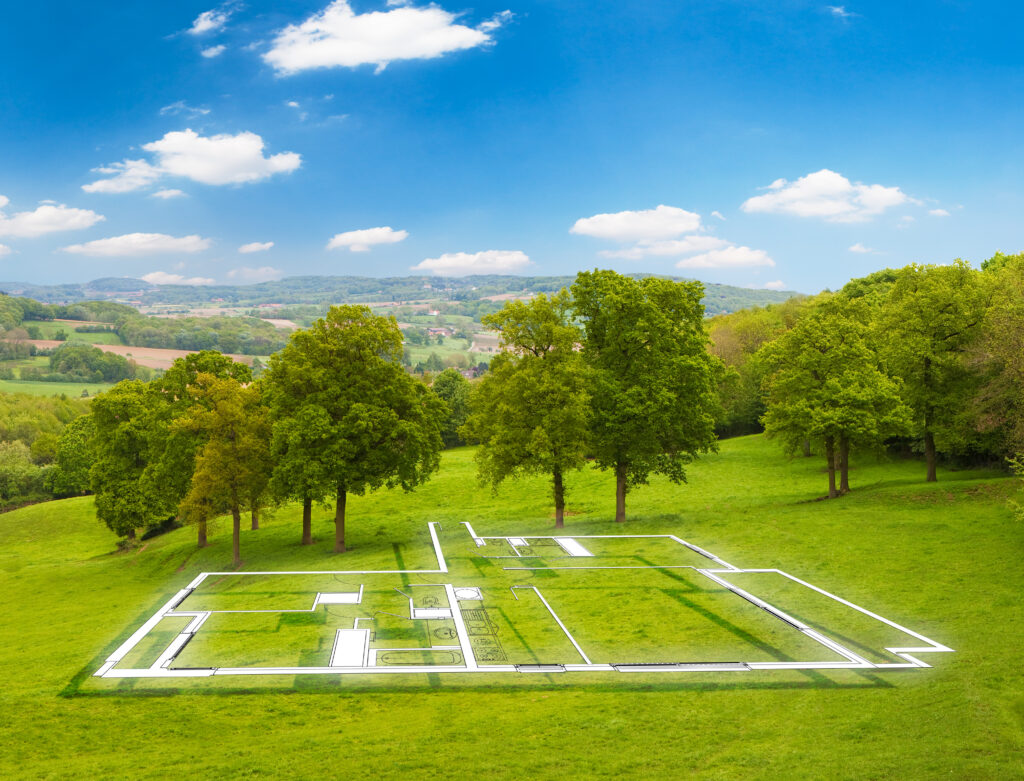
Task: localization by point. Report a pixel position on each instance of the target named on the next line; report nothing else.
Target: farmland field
(943, 558)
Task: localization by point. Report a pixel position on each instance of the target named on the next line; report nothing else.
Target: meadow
(942, 558)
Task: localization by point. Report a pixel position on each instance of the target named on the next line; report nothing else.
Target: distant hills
(336, 290)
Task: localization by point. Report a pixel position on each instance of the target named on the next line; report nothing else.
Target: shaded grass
(944, 559)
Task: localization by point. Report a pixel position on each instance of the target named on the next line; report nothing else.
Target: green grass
(48, 328)
(451, 346)
(53, 388)
(944, 559)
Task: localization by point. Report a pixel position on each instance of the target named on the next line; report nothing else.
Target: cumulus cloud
(778, 284)
(670, 248)
(362, 240)
(827, 195)
(728, 257)
(339, 37)
(839, 11)
(861, 249)
(718, 215)
(217, 160)
(663, 222)
(137, 244)
(211, 21)
(164, 278)
(125, 177)
(457, 264)
(255, 246)
(253, 275)
(49, 217)
(4, 250)
(938, 212)
(213, 51)
(166, 194)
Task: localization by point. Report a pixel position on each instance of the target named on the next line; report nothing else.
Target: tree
(70, 475)
(653, 398)
(531, 411)
(928, 322)
(347, 417)
(453, 389)
(825, 384)
(173, 449)
(123, 419)
(234, 463)
(998, 406)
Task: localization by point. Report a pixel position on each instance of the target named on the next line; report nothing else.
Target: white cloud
(163, 278)
(718, 215)
(220, 159)
(828, 195)
(5, 250)
(292, 103)
(165, 194)
(670, 248)
(729, 257)
(211, 21)
(125, 177)
(494, 261)
(663, 222)
(49, 217)
(839, 11)
(362, 240)
(253, 275)
(255, 246)
(213, 51)
(778, 284)
(339, 37)
(136, 244)
(861, 249)
(180, 107)
(938, 212)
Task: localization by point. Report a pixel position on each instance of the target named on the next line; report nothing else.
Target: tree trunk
(807, 448)
(254, 514)
(556, 477)
(830, 457)
(307, 521)
(844, 465)
(929, 455)
(339, 522)
(130, 535)
(201, 534)
(620, 493)
(236, 535)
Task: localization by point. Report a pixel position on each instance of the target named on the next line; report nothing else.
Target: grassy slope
(943, 558)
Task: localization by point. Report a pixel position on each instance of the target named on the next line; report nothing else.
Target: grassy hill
(945, 559)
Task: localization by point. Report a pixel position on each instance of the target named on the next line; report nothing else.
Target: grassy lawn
(53, 388)
(47, 329)
(943, 559)
(450, 347)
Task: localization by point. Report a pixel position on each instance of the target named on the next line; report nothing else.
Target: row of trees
(927, 357)
(615, 370)
(334, 414)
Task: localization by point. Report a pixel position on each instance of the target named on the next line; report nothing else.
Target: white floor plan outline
(526, 604)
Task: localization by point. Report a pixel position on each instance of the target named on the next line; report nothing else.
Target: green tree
(653, 393)
(19, 476)
(70, 475)
(999, 404)
(531, 411)
(234, 463)
(453, 389)
(347, 417)
(825, 384)
(926, 326)
(123, 428)
(173, 449)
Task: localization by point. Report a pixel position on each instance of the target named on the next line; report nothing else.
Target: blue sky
(789, 145)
